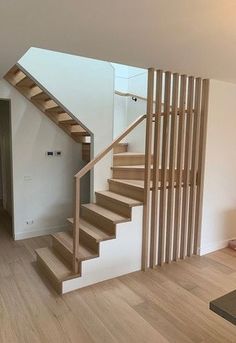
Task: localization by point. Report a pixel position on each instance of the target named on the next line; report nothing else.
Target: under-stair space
(98, 223)
(51, 107)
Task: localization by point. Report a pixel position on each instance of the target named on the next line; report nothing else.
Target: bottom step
(54, 267)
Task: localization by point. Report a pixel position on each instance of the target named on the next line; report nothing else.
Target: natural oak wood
(169, 304)
(147, 173)
(156, 170)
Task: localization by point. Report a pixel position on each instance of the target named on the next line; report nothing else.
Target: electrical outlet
(29, 222)
(49, 153)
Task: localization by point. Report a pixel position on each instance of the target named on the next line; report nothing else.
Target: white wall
(43, 187)
(219, 205)
(86, 88)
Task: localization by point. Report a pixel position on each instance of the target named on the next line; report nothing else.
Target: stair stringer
(117, 257)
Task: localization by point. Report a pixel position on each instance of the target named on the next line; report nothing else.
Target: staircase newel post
(76, 225)
(148, 161)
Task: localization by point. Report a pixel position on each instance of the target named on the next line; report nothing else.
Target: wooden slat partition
(194, 165)
(180, 159)
(201, 162)
(187, 161)
(180, 120)
(148, 162)
(156, 161)
(172, 163)
(164, 166)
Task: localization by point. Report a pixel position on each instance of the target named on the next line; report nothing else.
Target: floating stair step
(65, 119)
(40, 97)
(54, 109)
(120, 147)
(25, 82)
(78, 130)
(54, 267)
(95, 232)
(128, 159)
(65, 247)
(115, 202)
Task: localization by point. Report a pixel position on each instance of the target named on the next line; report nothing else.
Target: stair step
(65, 119)
(54, 110)
(120, 147)
(113, 217)
(66, 241)
(78, 131)
(40, 97)
(116, 202)
(25, 82)
(136, 172)
(128, 159)
(95, 232)
(54, 267)
(130, 188)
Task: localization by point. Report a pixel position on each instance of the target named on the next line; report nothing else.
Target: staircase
(100, 223)
(51, 107)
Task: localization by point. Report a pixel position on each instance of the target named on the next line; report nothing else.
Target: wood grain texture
(156, 162)
(164, 166)
(180, 157)
(169, 304)
(172, 163)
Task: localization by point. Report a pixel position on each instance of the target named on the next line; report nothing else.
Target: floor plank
(169, 304)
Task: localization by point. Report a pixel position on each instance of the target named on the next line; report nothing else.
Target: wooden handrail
(84, 171)
(131, 95)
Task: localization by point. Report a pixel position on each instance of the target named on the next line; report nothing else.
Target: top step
(120, 147)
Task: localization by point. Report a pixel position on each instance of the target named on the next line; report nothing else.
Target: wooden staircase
(98, 223)
(51, 107)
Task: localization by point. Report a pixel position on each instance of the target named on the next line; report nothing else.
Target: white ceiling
(188, 36)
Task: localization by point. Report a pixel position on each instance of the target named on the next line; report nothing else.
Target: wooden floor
(165, 305)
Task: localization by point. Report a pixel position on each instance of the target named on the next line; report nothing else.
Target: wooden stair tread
(121, 154)
(25, 82)
(66, 239)
(95, 232)
(58, 267)
(134, 183)
(40, 96)
(138, 167)
(120, 198)
(112, 216)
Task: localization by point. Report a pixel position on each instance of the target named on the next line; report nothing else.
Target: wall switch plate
(58, 153)
(49, 153)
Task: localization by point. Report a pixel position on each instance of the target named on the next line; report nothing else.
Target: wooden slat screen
(180, 119)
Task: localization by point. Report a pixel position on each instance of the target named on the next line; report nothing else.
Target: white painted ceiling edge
(186, 36)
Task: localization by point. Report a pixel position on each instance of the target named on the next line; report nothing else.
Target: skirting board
(214, 246)
(39, 232)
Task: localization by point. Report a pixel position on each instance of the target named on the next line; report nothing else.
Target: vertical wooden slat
(201, 162)
(187, 160)
(172, 162)
(76, 225)
(148, 160)
(156, 161)
(164, 164)
(180, 157)
(194, 165)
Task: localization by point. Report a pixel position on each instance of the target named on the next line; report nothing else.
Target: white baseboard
(39, 232)
(214, 246)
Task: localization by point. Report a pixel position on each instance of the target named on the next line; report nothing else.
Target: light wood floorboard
(169, 304)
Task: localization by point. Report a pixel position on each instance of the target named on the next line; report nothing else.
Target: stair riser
(126, 190)
(114, 206)
(47, 272)
(88, 241)
(62, 250)
(128, 160)
(129, 174)
(120, 148)
(97, 220)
